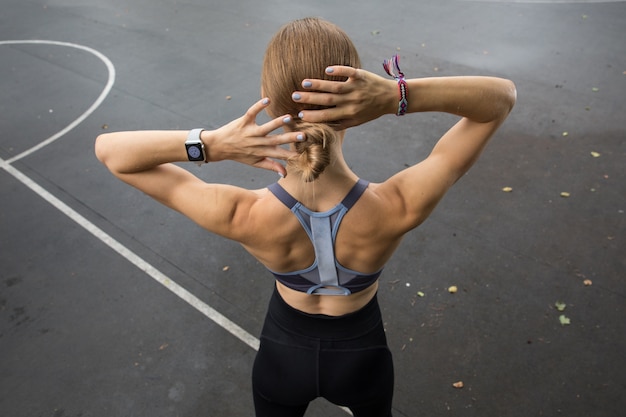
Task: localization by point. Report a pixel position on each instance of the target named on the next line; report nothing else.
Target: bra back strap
(282, 195)
(355, 193)
(324, 252)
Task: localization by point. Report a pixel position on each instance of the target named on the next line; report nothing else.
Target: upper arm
(418, 189)
(215, 207)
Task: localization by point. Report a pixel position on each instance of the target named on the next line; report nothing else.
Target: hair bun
(314, 152)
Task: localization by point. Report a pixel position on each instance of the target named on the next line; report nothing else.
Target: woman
(323, 233)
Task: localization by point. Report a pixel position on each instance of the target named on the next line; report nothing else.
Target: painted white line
(133, 258)
(83, 116)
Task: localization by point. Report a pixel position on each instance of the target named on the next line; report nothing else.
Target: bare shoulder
(411, 195)
(219, 208)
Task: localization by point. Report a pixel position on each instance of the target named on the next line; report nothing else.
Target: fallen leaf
(565, 133)
(595, 154)
(228, 97)
(453, 289)
(507, 189)
(163, 346)
(560, 306)
(587, 282)
(564, 320)
(420, 294)
(226, 268)
(376, 32)
(595, 89)
(565, 194)
(458, 385)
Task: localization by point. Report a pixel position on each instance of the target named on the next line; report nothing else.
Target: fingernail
(287, 119)
(296, 96)
(301, 115)
(329, 70)
(280, 174)
(265, 101)
(307, 84)
(300, 137)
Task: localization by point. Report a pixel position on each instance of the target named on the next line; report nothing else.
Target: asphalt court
(111, 305)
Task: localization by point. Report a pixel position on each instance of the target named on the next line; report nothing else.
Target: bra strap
(355, 193)
(324, 253)
(283, 195)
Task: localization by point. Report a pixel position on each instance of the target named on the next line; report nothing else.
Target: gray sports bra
(326, 276)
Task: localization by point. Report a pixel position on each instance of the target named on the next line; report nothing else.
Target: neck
(337, 178)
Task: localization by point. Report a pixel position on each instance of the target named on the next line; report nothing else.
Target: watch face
(194, 152)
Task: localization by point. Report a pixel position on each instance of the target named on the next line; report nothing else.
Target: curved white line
(94, 106)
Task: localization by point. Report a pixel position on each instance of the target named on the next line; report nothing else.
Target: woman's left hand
(243, 140)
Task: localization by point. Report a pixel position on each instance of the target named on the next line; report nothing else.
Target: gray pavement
(87, 329)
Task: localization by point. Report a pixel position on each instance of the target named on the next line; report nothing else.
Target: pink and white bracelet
(392, 67)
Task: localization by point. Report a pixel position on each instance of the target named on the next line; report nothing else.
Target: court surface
(111, 305)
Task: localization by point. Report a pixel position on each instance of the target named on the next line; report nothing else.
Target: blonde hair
(304, 49)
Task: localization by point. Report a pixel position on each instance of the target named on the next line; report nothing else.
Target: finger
(326, 86)
(319, 99)
(325, 115)
(272, 146)
(286, 138)
(342, 71)
(257, 108)
(272, 125)
(271, 165)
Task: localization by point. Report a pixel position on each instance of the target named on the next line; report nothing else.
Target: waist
(346, 326)
(328, 305)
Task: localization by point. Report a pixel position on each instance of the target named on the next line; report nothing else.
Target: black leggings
(302, 356)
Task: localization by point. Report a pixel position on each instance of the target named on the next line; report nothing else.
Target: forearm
(241, 140)
(366, 96)
(129, 152)
(480, 99)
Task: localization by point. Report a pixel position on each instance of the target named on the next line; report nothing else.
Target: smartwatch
(195, 147)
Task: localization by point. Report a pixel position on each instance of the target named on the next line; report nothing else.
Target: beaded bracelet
(392, 66)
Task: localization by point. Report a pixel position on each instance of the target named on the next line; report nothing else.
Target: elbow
(100, 148)
(103, 148)
(510, 95)
(504, 98)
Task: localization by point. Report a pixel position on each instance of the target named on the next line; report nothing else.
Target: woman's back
(365, 238)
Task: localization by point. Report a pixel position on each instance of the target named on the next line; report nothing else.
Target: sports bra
(326, 276)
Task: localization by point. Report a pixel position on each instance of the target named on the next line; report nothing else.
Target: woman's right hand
(244, 141)
(363, 97)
